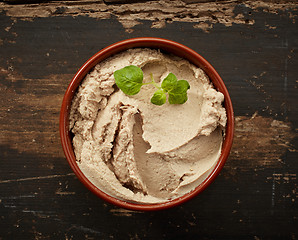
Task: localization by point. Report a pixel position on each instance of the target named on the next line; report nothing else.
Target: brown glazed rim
(167, 46)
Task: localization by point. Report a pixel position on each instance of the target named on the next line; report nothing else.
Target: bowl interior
(169, 47)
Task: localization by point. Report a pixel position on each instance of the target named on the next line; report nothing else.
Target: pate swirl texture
(140, 152)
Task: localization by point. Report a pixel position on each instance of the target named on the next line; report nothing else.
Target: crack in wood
(35, 178)
(123, 212)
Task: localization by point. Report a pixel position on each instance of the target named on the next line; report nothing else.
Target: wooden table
(254, 47)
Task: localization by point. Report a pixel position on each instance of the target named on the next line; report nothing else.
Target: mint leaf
(169, 83)
(178, 95)
(129, 79)
(159, 97)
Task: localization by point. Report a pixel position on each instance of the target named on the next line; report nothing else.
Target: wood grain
(254, 47)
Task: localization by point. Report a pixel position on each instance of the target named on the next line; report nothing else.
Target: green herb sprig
(130, 80)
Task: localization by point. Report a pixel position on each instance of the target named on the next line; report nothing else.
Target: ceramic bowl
(167, 46)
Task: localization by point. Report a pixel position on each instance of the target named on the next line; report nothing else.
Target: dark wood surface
(254, 47)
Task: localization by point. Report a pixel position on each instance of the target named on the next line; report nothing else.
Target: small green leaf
(175, 98)
(169, 83)
(159, 97)
(178, 95)
(182, 86)
(129, 79)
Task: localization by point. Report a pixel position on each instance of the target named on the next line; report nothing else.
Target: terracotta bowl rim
(168, 46)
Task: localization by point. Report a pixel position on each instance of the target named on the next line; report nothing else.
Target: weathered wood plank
(253, 45)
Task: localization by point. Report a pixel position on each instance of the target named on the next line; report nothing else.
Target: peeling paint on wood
(267, 138)
(204, 14)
